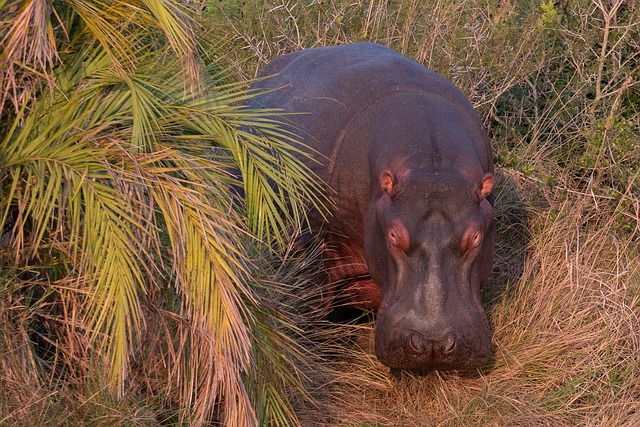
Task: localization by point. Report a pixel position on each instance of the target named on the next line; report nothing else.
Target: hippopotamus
(409, 167)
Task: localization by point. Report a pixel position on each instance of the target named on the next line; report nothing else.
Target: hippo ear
(485, 186)
(388, 182)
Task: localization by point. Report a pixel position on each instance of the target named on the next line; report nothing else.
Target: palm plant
(117, 138)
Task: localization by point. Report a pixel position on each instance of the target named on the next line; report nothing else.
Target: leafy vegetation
(134, 291)
(128, 268)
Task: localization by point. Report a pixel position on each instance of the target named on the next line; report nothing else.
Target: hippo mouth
(404, 341)
(413, 351)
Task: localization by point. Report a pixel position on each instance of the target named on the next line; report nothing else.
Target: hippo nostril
(449, 343)
(417, 342)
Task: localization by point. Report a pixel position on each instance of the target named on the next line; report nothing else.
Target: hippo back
(331, 86)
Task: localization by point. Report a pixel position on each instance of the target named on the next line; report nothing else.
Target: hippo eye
(475, 240)
(398, 236)
(471, 239)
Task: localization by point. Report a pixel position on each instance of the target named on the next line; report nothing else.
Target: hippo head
(429, 245)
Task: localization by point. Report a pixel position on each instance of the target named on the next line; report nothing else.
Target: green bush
(131, 285)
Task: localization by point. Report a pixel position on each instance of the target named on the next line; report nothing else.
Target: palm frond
(179, 28)
(278, 188)
(103, 22)
(64, 187)
(29, 39)
(29, 49)
(123, 180)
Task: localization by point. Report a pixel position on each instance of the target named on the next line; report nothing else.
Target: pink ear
(388, 182)
(485, 187)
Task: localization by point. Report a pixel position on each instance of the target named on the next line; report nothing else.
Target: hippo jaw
(415, 352)
(430, 271)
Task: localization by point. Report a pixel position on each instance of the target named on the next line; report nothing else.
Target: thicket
(134, 289)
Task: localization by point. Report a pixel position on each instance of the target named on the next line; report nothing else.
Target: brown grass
(566, 336)
(564, 299)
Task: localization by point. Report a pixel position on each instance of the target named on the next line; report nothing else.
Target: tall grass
(558, 86)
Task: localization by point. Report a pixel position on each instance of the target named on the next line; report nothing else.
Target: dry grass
(564, 299)
(566, 335)
(475, 44)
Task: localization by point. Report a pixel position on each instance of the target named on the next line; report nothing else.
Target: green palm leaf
(117, 178)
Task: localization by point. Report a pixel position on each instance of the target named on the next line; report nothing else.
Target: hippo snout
(424, 351)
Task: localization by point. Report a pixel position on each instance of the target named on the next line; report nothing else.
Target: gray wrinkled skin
(409, 166)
